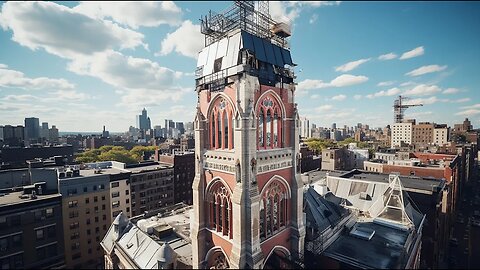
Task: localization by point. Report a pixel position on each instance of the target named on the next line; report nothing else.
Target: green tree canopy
(115, 153)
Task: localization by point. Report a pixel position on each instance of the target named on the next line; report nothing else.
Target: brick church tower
(247, 191)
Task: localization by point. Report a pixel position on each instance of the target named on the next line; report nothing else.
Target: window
(74, 225)
(3, 244)
(74, 235)
(96, 219)
(269, 125)
(73, 214)
(115, 194)
(101, 186)
(49, 212)
(88, 221)
(89, 232)
(17, 240)
(40, 235)
(221, 130)
(72, 204)
(104, 217)
(273, 209)
(104, 206)
(220, 209)
(87, 200)
(115, 184)
(71, 191)
(95, 199)
(115, 213)
(87, 211)
(94, 187)
(126, 192)
(96, 209)
(103, 198)
(75, 246)
(85, 189)
(115, 204)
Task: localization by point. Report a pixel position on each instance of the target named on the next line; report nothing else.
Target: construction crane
(399, 108)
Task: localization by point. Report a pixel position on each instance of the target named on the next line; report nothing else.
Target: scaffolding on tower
(399, 108)
(250, 16)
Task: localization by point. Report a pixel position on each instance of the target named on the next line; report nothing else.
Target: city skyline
(353, 60)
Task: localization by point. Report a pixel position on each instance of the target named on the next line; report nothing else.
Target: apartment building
(151, 186)
(401, 132)
(31, 233)
(440, 134)
(184, 171)
(86, 215)
(422, 133)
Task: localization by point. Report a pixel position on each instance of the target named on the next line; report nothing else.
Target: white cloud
(413, 53)
(314, 3)
(388, 56)
(311, 84)
(313, 19)
(324, 108)
(357, 97)
(62, 31)
(475, 106)
(347, 80)
(339, 97)
(390, 92)
(425, 70)
(407, 83)
(17, 79)
(186, 40)
(138, 98)
(461, 100)
(451, 91)
(283, 11)
(133, 14)
(470, 112)
(126, 71)
(340, 81)
(425, 101)
(388, 83)
(423, 90)
(351, 65)
(315, 96)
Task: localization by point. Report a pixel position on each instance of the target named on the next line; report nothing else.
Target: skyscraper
(143, 121)
(32, 128)
(44, 130)
(247, 191)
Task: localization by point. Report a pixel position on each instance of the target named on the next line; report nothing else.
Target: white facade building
(305, 131)
(401, 132)
(440, 136)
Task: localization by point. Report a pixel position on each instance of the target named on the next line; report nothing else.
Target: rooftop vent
(362, 233)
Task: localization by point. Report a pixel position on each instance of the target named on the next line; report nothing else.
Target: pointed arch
(274, 201)
(282, 249)
(218, 201)
(277, 98)
(212, 254)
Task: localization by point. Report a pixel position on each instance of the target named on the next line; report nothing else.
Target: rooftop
(16, 198)
(149, 167)
(143, 237)
(384, 250)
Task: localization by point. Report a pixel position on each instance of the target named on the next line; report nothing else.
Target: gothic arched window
(220, 208)
(221, 125)
(269, 123)
(273, 209)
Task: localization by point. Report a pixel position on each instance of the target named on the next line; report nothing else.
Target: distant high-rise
(143, 121)
(53, 134)
(334, 126)
(44, 130)
(32, 128)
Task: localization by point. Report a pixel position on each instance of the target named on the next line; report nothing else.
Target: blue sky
(80, 66)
